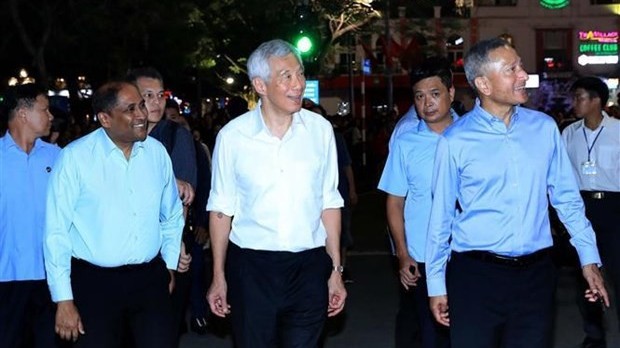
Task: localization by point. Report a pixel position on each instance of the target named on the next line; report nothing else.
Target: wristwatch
(338, 268)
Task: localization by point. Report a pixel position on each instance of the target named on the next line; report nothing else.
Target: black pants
(111, 301)
(278, 299)
(493, 305)
(604, 214)
(415, 324)
(26, 315)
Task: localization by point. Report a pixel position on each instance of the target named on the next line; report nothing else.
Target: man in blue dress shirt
(113, 229)
(26, 309)
(499, 162)
(407, 181)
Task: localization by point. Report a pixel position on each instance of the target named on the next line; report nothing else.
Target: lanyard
(595, 139)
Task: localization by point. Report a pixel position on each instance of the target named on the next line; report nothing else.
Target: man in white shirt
(276, 265)
(593, 145)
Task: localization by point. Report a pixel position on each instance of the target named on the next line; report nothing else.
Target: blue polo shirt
(408, 173)
(23, 187)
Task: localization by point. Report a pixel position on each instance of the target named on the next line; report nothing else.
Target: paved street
(373, 298)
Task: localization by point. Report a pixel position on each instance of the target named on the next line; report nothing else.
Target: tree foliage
(192, 42)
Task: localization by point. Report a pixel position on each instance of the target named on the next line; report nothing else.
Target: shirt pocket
(609, 157)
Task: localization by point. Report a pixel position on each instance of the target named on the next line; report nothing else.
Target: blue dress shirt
(108, 210)
(23, 186)
(501, 177)
(408, 173)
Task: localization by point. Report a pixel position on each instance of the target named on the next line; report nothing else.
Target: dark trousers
(493, 305)
(604, 214)
(415, 324)
(278, 299)
(26, 315)
(112, 301)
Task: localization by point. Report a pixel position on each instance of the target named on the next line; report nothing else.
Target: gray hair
(258, 62)
(477, 59)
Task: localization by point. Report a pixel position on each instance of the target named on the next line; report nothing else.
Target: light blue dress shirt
(23, 186)
(501, 177)
(110, 211)
(408, 173)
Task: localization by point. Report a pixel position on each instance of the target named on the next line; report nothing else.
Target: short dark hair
(594, 86)
(431, 67)
(106, 96)
(20, 96)
(134, 74)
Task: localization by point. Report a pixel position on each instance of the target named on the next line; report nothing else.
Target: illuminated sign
(554, 4)
(312, 90)
(533, 81)
(598, 47)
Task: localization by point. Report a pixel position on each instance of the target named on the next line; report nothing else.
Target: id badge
(588, 168)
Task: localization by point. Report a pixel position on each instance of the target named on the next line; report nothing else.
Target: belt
(600, 194)
(123, 268)
(512, 261)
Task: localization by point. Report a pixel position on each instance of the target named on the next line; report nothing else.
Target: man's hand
(184, 260)
(186, 192)
(68, 323)
(406, 265)
(439, 308)
(596, 285)
(216, 297)
(337, 294)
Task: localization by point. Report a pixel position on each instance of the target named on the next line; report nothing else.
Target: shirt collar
(423, 127)
(109, 146)
(258, 125)
(8, 142)
(492, 120)
(604, 123)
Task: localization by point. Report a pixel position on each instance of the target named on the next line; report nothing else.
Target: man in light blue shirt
(407, 181)
(26, 309)
(499, 162)
(113, 229)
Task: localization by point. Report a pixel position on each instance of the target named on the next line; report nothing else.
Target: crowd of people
(111, 231)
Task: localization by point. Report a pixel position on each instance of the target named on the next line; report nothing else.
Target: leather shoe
(199, 325)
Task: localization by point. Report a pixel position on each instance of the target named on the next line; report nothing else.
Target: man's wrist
(338, 268)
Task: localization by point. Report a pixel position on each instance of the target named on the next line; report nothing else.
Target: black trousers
(604, 214)
(493, 305)
(415, 324)
(278, 299)
(112, 301)
(26, 315)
